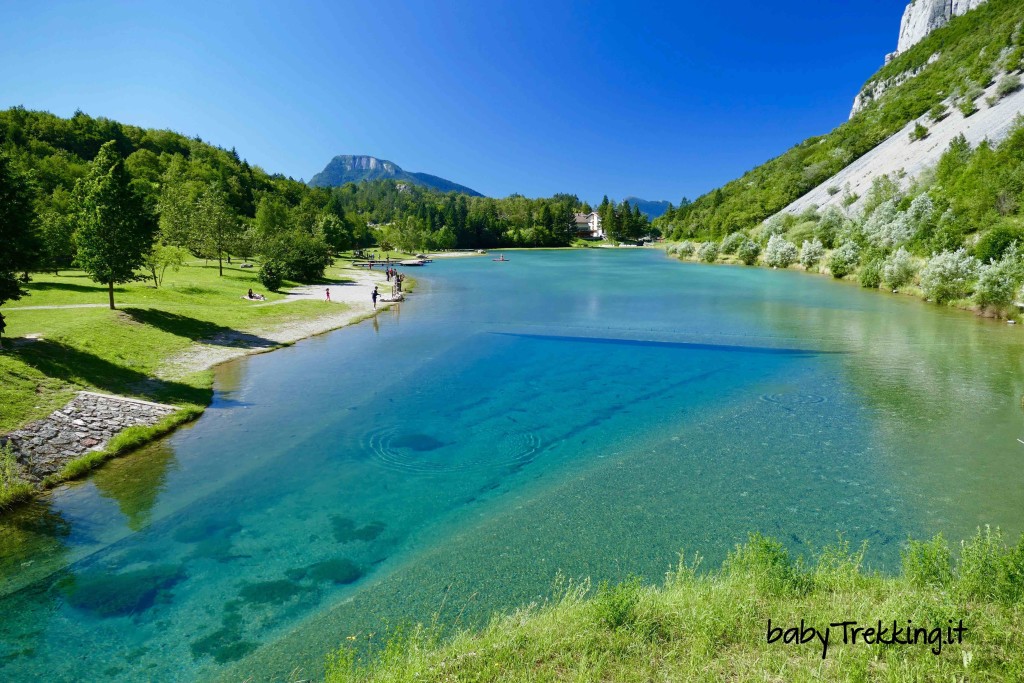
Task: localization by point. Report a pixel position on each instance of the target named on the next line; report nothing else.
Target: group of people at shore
(392, 274)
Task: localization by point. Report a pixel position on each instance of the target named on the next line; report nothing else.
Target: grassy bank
(714, 625)
(62, 338)
(49, 353)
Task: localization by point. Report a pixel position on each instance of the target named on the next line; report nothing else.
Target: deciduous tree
(114, 227)
(18, 243)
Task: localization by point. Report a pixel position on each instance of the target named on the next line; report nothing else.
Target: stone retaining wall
(86, 423)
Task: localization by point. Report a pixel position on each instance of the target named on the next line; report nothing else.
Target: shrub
(779, 253)
(938, 112)
(996, 241)
(748, 251)
(920, 132)
(1008, 84)
(998, 281)
(927, 564)
(804, 230)
(270, 275)
(810, 253)
(829, 226)
(843, 260)
(686, 249)
(732, 242)
(949, 275)
(809, 214)
(765, 563)
(886, 226)
(949, 233)
(870, 276)
(615, 606)
(920, 213)
(777, 225)
(980, 565)
(899, 269)
(883, 188)
(708, 252)
(832, 190)
(301, 256)
(837, 568)
(1014, 59)
(967, 107)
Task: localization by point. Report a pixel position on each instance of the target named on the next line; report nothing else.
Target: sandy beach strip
(354, 293)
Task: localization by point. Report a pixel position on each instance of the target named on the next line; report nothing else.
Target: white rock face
(900, 156)
(924, 16)
(920, 18)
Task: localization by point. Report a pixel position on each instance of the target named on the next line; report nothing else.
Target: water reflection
(136, 482)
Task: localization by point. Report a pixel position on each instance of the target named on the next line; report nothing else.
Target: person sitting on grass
(254, 297)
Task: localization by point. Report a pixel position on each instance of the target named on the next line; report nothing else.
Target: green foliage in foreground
(713, 626)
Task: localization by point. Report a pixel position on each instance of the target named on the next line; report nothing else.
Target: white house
(588, 226)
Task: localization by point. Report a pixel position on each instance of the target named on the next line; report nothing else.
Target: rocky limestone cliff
(356, 168)
(368, 163)
(924, 16)
(920, 18)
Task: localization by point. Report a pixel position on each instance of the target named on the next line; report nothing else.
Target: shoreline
(1007, 316)
(354, 295)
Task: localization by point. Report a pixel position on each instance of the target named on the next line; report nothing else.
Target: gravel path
(355, 294)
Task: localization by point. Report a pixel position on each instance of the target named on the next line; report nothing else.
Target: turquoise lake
(584, 413)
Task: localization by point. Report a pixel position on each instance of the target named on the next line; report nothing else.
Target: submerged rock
(345, 530)
(118, 595)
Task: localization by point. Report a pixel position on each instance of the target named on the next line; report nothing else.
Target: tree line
(124, 202)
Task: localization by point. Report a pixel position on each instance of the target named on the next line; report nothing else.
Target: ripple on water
(422, 453)
(792, 399)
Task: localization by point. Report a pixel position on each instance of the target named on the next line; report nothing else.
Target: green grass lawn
(48, 354)
(714, 626)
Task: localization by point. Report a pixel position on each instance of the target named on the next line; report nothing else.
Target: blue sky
(617, 98)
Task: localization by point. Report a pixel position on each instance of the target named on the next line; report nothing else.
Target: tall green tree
(18, 242)
(114, 225)
(215, 225)
(57, 232)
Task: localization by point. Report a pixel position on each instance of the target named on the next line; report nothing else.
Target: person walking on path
(375, 295)
(328, 290)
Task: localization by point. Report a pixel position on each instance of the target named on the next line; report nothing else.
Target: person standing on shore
(374, 296)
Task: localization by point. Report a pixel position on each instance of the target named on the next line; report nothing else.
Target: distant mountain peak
(355, 168)
(651, 208)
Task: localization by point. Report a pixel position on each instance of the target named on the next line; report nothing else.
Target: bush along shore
(951, 237)
(761, 616)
